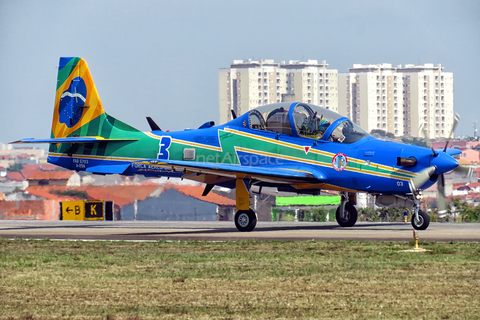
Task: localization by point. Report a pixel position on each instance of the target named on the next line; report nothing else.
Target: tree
(391, 214)
(368, 214)
(15, 167)
(463, 211)
(466, 212)
(72, 193)
(319, 214)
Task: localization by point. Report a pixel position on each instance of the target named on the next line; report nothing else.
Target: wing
(72, 140)
(275, 174)
(450, 151)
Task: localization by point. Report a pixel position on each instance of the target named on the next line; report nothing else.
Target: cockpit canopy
(305, 120)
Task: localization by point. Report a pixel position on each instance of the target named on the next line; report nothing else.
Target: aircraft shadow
(372, 227)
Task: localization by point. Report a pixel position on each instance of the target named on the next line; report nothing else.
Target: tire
(245, 220)
(350, 218)
(423, 221)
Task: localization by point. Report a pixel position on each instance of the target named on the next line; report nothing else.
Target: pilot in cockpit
(314, 127)
(323, 126)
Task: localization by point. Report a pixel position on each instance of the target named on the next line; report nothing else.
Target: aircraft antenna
(153, 125)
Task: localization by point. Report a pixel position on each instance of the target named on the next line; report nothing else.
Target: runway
(226, 231)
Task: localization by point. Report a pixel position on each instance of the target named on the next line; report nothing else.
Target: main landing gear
(245, 218)
(346, 214)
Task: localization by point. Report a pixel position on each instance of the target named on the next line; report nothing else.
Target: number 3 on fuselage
(164, 143)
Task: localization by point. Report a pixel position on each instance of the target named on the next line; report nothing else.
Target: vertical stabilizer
(78, 109)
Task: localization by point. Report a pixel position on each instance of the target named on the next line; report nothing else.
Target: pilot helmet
(324, 124)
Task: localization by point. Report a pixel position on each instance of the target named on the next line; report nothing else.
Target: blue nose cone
(444, 163)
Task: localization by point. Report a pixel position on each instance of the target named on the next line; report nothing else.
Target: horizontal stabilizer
(72, 140)
(109, 168)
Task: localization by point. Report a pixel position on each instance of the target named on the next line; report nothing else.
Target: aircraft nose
(444, 163)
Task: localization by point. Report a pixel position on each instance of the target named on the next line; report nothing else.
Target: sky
(161, 58)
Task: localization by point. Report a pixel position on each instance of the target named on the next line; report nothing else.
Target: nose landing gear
(420, 220)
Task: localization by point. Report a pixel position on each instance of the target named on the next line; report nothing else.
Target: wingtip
(26, 140)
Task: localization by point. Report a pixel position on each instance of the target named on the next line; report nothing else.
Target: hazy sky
(161, 58)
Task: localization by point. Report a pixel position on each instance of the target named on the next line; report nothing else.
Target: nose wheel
(245, 220)
(420, 221)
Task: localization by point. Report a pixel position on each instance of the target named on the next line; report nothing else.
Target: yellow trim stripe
(321, 152)
(290, 145)
(264, 153)
(322, 164)
(253, 136)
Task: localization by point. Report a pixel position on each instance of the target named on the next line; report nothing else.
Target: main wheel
(422, 222)
(350, 216)
(245, 220)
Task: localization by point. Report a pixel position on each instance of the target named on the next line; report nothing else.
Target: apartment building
(399, 100)
(428, 100)
(249, 84)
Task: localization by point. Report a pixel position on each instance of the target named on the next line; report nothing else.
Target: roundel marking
(339, 161)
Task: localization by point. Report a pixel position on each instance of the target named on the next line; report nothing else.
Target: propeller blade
(441, 203)
(465, 170)
(424, 132)
(421, 178)
(456, 118)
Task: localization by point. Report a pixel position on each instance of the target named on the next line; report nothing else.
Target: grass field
(238, 280)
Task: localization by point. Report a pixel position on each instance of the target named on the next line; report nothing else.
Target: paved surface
(222, 231)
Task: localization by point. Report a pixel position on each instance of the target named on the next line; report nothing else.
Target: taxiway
(225, 231)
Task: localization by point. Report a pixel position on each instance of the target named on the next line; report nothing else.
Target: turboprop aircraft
(296, 147)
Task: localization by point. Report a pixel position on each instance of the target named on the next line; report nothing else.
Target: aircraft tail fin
(78, 109)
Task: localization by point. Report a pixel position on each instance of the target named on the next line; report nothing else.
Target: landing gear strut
(245, 218)
(346, 214)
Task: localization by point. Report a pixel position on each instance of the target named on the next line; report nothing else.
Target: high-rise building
(250, 84)
(428, 100)
(398, 100)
